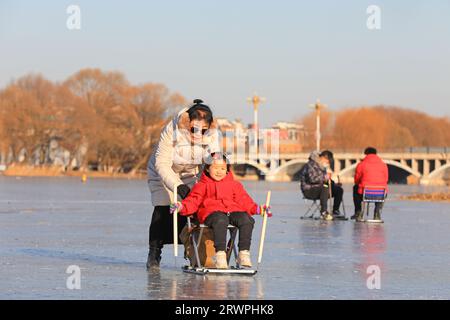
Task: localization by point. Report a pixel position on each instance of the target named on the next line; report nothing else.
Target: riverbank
(436, 196)
(52, 171)
(47, 171)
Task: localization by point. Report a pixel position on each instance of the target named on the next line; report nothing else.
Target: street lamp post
(255, 100)
(318, 106)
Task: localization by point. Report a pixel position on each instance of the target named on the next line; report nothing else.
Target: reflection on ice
(369, 246)
(217, 287)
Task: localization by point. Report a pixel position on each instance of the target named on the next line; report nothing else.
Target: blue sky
(291, 52)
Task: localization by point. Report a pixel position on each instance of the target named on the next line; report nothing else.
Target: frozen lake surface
(48, 224)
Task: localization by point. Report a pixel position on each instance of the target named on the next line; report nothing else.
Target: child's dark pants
(219, 222)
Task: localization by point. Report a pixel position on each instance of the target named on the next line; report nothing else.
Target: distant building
(289, 136)
(225, 124)
(234, 135)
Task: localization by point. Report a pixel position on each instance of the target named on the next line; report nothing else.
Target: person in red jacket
(371, 171)
(218, 200)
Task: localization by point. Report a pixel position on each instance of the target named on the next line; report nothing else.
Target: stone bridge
(424, 167)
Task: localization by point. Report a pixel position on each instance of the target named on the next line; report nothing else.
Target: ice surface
(47, 224)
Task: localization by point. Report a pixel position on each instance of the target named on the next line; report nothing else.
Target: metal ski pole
(263, 230)
(175, 225)
(343, 204)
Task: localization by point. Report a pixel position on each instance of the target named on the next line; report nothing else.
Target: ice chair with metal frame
(313, 207)
(375, 195)
(313, 211)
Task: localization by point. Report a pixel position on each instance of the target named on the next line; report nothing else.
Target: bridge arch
(394, 163)
(348, 169)
(435, 173)
(273, 173)
(262, 169)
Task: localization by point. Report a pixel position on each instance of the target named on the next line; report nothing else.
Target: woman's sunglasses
(195, 130)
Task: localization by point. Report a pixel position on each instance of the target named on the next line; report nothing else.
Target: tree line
(383, 127)
(100, 115)
(104, 122)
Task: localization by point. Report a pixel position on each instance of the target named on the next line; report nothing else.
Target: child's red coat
(208, 196)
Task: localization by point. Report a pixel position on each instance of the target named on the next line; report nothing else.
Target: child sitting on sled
(218, 200)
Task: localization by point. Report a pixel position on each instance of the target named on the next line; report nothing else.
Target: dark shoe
(154, 258)
(337, 213)
(353, 217)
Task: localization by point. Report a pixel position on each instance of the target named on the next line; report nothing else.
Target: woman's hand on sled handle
(175, 207)
(263, 209)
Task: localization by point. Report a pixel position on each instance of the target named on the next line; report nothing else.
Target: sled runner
(201, 262)
(340, 218)
(231, 271)
(335, 218)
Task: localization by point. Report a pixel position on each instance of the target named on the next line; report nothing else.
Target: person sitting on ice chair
(371, 171)
(218, 200)
(314, 180)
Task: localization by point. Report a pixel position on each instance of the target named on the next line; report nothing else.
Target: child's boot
(244, 258)
(221, 260)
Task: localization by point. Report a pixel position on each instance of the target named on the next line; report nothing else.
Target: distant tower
(256, 101)
(318, 106)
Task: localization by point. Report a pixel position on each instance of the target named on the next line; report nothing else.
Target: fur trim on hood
(315, 156)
